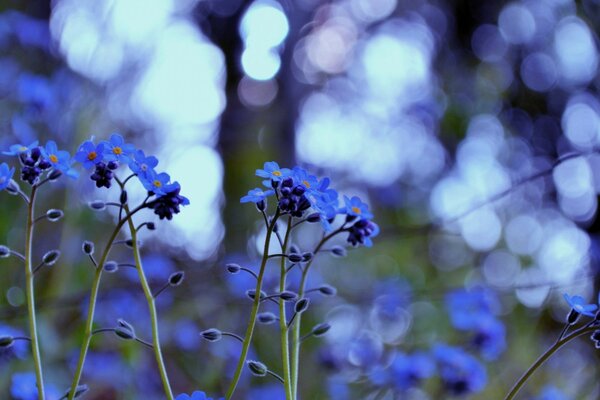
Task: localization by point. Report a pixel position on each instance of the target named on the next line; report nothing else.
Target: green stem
(295, 356)
(283, 329)
(254, 312)
(35, 345)
(152, 309)
(89, 323)
(559, 343)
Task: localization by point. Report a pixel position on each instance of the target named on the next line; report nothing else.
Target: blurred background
(471, 128)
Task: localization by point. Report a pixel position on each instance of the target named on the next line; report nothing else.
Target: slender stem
(283, 328)
(274, 375)
(87, 338)
(295, 356)
(29, 274)
(557, 345)
(152, 308)
(233, 335)
(254, 312)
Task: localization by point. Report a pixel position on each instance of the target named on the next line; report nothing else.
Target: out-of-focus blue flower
(256, 195)
(579, 305)
(267, 392)
(551, 393)
(460, 372)
(272, 171)
(355, 207)
(17, 149)
(115, 149)
(23, 387)
(197, 395)
(142, 165)
(337, 389)
(366, 350)
(408, 370)
(468, 308)
(6, 175)
(35, 91)
(490, 338)
(302, 177)
(89, 154)
(19, 348)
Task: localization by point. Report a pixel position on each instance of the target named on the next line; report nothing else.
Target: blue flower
(142, 165)
(551, 393)
(17, 149)
(324, 201)
(157, 183)
(256, 195)
(89, 154)
(408, 371)
(302, 177)
(23, 387)
(6, 175)
(468, 308)
(461, 373)
(490, 338)
(59, 159)
(356, 208)
(197, 395)
(361, 233)
(273, 172)
(579, 305)
(115, 149)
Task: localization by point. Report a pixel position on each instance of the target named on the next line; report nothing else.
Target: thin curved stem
(254, 312)
(152, 309)
(557, 345)
(87, 338)
(295, 348)
(283, 327)
(29, 275)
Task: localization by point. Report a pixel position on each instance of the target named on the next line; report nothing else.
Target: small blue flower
(17, 149)
(408, 370)
(157, 183)
(115, 149)
(169, 203)
(273, 172)
(302, 177)
(197, 395)
(356, 208)
(142, 165)
(490, 338)
(579, 305)
(461, 373)
(59, 159)
(256, 195)
(89, 154)
(468, 308)
(6, 175)
(324, 201)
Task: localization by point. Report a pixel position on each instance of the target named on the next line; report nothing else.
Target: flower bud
(307, 256)
(572, 317)
(51, 257)
(287, 295)
(261, 205)
(151, 226)
(54, 215)
(13, 188)
(266, 318)
(176, 278)
(88, 247)
(295, 258)
(301, 305)
(98, 205)
(251, 293)
(54, 175)
(314, 217)
(111, 267)
(6, 341)
(125, 324)
(327, 290)
(320, 329)
(129, 243)
(339, 251)
(79, 391)
(123, 197)
(257, 368)
(4, 251)
(294, 249)
(233, 268)
(124, 333)
(212, 334)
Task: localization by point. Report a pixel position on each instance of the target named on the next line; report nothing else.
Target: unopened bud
(294, 249)
(287, 295)
(123, 197)
(212, 334)
(339, 251)
(295, 258)
(233, 268)
(307, 256)
(151, 226)
(314, 217)
(251, 293)
(125, 324)
(51, 257)
(54, 215)
(13, 188)
(111, 266)
(124, 333)
(266, 318)
(257, 368)
(88, 247)
(176, 278)
(98, 205)
(54, 175)
(320, 329)
(6, 341)
(301, 305)
(261, 205)
(327, 290)
(4, 251)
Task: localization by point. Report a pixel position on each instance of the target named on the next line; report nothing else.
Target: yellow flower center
(92, 155)
(277, 173)
(157, 183)
(117, 150)
(305, 183)
(356, 210)
(53, 158)
(22, 148)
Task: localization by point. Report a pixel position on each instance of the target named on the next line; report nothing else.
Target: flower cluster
(36, 160)
(106, 156)
(301, 194)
